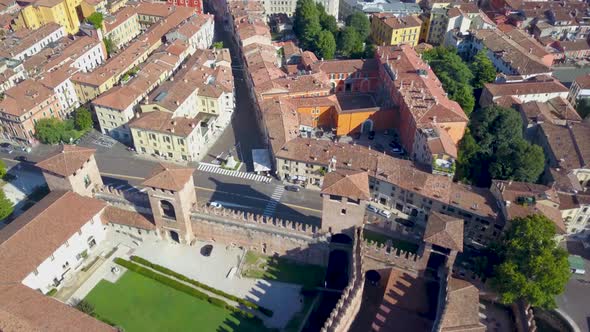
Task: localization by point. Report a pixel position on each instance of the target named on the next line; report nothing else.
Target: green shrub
(160, 268)
(51, 292)
(183, 288)
(217, 302)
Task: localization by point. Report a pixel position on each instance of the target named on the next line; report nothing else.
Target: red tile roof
(67, 161)
(169, 176)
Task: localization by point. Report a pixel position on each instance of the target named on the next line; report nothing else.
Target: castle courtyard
(143, 304)
(218, 269)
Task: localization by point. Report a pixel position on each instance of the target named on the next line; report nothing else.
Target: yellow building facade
(386, 29)
(41, 12)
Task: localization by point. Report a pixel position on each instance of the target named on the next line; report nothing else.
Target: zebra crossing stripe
(244, 175)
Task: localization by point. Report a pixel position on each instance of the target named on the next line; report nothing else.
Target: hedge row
(160, 268)
(185, 288)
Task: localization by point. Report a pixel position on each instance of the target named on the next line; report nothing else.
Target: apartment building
(388, 29)
(92, 84)
(445, 23)
(36, 13)
(25, 43)
(122, 26)
(579, 89)
(521, 199)
(179, 139)
(513, 52)
(11, 72)
(575, 211)
(396, 8)
(567, 154)
(22, 106)
(540, 89)
(60, 83)
(410, 85)
(288, 7)
(395, 183)
(197, 32)
(115, 108)
(184, 116)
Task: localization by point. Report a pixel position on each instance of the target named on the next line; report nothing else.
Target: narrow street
(243, 134)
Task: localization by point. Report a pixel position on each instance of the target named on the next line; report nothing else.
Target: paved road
(574, 301)
(119, 167)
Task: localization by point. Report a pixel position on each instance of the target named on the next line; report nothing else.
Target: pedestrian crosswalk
(244, 175)
(271, 206)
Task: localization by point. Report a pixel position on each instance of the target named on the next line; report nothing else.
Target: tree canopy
(325, 45)
(312, 24)
(218, 45)
(82, 119)
(483, 70)
(53, 131)
(328, 22)
(494, 148)
(349, 42)
(359, 22)
(6, 206)
(533, 267)
(307, 23)
(454, 74)
(95, 19)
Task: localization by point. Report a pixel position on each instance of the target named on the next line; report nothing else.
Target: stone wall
(262, 234)
(349, 304)
(133, 201)
(378, 256)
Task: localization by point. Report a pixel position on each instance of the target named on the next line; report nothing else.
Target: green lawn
(281, 269)
(137, 303)
(382, 238)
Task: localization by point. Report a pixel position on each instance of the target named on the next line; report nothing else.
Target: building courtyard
(144, 304)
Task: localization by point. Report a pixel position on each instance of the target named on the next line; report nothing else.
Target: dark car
(371, 135)
(206, 250)
(21, 158)
(293, 188)
(319, 134)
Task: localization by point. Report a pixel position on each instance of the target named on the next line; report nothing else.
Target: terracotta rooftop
(555, 111)
(130, 218)
(16, 43)
(402, 173)
(461, 312)
(169, 177)
(532, 86)
(522, 199)
(444, 231)
(583, 81)
(569, 145)
(24, 97)
(27, 241)
(165, 122)
(67, 161)
(520, 51)
(395, 22)
(419, 88)
(346, 183)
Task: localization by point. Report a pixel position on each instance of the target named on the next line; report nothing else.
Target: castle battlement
(294, 227)
(350, 301)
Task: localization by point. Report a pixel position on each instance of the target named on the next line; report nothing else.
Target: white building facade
(68, 257)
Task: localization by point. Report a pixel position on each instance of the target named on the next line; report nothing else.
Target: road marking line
(295, 206)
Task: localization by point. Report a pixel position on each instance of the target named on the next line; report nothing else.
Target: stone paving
(284, 299)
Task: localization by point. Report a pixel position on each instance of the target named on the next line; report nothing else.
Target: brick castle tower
(171, 192)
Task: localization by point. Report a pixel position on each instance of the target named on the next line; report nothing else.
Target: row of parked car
(381, 212)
